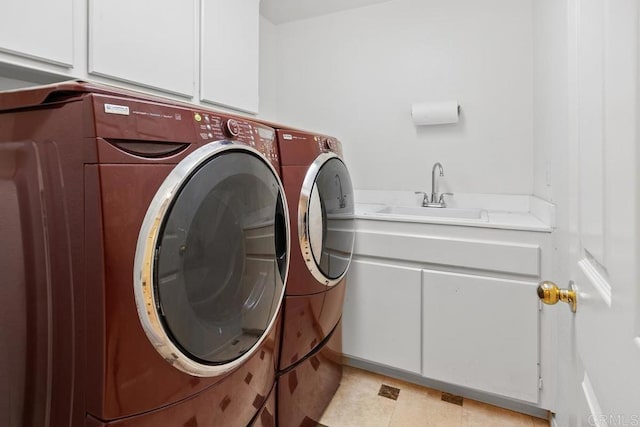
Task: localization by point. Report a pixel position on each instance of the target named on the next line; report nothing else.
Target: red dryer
(321, 211)
(144, 252)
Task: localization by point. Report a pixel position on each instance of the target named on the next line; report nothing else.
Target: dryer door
(325, 219)
(212, 259)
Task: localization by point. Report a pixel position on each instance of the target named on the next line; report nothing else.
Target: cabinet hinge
(539, 383)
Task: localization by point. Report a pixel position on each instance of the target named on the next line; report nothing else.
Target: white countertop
(513, 212)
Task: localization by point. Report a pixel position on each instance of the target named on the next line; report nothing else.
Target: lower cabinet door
(481, 333)
(381, 315)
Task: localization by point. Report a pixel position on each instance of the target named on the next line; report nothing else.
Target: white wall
(355, 74)
(550, 99)
(15, 77)
(268, 69)
(7, 83)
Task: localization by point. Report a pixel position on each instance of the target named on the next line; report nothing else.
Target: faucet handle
(425, 197)
(441, 201)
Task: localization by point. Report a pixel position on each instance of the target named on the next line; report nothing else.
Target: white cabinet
(382, 322)
(230, 53)
(455, 306)
(145, 42)
(203, 51)
(481, 333)
(39, 29)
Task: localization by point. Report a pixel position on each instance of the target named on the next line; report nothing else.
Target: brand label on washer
(287, 136)
(123, 110)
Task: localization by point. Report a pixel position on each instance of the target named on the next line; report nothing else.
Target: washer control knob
(231, 128)
(327, 144)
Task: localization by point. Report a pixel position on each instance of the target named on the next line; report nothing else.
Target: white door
(599, 363)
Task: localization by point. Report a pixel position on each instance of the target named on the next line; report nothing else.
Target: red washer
(321, 208)
(145, 254)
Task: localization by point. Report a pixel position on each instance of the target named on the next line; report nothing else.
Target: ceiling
(282, 11)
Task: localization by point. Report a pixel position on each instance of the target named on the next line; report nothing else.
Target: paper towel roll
(435, 113)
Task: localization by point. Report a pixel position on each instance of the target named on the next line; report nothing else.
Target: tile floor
(357, 404)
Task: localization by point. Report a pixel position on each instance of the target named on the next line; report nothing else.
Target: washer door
(325, 219)
(212, 259)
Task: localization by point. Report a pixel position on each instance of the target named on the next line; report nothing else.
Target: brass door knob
(550, 294)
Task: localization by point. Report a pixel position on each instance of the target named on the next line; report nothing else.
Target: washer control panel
(164, 127)
(212, 127)
(163, 131)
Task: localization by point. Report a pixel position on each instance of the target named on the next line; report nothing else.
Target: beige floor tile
(357, 404)
(361, 378)
(423, 407)
(477, 414)
(539, 422)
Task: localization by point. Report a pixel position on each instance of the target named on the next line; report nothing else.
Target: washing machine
(321, 210)
(145, 250)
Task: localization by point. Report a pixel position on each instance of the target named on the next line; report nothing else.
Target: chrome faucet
(434, 183)
(436, 201)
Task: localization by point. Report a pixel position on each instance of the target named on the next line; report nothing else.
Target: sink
(418, 211)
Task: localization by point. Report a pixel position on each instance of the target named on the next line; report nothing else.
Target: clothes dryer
(321, 209)
(145, 247)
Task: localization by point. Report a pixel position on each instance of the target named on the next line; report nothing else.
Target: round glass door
(213, 258)
(326, 219)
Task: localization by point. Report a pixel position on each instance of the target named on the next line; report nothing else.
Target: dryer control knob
(231, 128)
(327, 144)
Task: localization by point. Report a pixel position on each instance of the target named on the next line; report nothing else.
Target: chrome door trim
(303, 223)
(145, 298)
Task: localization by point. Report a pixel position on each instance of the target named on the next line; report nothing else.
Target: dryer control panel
(301, 148)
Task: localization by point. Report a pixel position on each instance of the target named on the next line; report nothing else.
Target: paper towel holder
(435, 113)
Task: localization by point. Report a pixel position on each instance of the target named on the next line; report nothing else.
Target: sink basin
(419, 211)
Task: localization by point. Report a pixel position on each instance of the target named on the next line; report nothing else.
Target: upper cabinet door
(145, 42)
(40, 29)
(229, 57)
